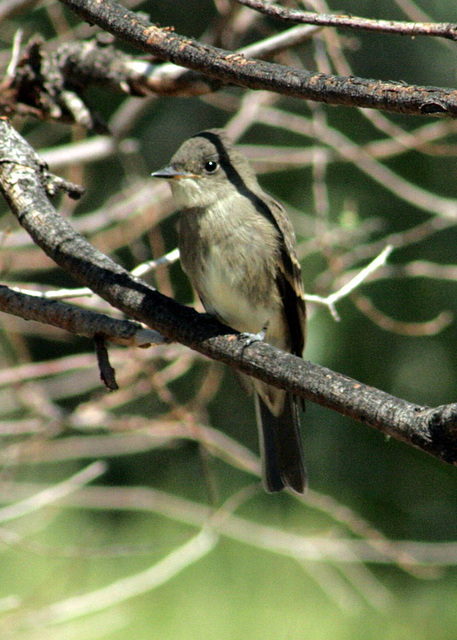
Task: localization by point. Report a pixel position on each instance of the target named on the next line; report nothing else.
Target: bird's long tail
(281, 446)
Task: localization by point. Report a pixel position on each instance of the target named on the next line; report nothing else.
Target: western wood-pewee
(237, 246)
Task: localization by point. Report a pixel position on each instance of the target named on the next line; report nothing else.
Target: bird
(238, 248)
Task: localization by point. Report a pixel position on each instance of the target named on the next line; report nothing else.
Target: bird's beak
(170, 173)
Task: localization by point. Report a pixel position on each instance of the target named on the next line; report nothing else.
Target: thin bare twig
(126, 588)
(344, 147)
(52, 494)
(151, 265)
(371, 547)
(349, 287)
(427, 328)
(440, 29)
(107, 373)
(11, 68)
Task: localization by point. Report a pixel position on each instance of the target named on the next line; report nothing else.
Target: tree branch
(234, 68)
(438, 29)
(432, 430)
(82, 322)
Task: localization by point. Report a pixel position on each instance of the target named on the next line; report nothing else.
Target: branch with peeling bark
(431, 429)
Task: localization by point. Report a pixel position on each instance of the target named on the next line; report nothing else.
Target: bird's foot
(250, 338)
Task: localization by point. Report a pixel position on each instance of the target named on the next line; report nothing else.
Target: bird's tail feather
(281, 447)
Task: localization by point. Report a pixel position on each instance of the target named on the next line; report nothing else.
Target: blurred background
(139, 513)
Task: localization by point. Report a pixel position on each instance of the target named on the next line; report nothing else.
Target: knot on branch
(434, 108)
(442, 423)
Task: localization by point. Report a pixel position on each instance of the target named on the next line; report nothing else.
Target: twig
(334, 586)
(89, 150)
(52, 494)
(412, 29)
(151, 265)
(279, 42)
(54, 184)
(407, 554)
(345, 290)
(82, 292)
(38, 370)
(54, 294)
(136, 434)
(351, 152)
(107, 373)
(427, 328)
(126, 588)
(16, 50)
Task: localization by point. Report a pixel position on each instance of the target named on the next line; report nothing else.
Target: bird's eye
(211, 166)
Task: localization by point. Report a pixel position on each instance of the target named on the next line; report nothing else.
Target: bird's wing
(289, 278)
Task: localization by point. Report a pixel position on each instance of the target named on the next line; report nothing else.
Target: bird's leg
(253, 337)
